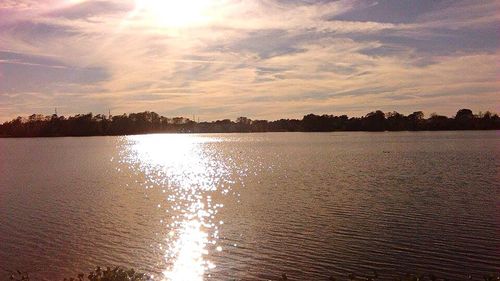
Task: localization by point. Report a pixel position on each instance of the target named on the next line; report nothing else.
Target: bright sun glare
(177, 13)
(189, 176)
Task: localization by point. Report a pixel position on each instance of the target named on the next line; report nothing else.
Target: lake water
(252, 206)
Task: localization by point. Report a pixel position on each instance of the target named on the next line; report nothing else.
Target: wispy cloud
(261, 58)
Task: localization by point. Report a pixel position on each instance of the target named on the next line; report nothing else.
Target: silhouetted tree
(438, 122)
(243, 124)
(396, 121)
(37, 125)
(374, 121)
(260, 125)
(416, 121)
(464, 119)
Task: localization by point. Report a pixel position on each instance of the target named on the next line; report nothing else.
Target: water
(252, 206)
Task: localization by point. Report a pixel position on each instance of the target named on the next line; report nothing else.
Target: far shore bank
(147, 122)
(229, 133)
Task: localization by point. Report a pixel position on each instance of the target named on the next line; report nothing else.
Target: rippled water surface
(252, 206)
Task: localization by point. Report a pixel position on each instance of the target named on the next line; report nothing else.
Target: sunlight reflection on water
(188, 174)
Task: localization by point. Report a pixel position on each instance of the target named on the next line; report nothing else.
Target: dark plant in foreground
(19, 276)
(120, 274)
(115, 274)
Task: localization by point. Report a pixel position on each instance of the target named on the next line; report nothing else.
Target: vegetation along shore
(38, 125)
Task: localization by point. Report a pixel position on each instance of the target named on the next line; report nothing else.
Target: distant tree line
(38, 125)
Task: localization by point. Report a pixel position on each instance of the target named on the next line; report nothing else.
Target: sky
(265, 59)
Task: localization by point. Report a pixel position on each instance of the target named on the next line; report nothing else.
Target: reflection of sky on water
(188, 172)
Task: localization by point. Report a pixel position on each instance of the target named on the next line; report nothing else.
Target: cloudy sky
(256, 58)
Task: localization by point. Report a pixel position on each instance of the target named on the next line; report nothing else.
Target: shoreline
(244, 132)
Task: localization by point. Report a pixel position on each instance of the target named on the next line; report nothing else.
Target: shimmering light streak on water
(185, 167)
(310, 205)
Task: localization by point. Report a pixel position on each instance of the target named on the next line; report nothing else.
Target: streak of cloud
(261, 58)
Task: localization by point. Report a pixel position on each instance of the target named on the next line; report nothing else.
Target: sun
(177, 13)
